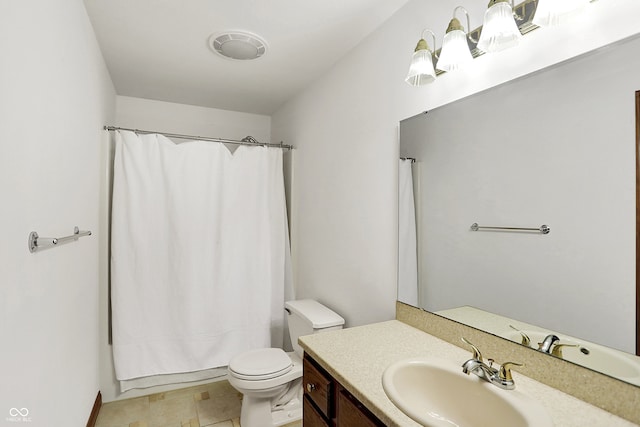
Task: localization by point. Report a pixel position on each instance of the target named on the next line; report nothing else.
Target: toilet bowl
(270, 379)
(273, 395)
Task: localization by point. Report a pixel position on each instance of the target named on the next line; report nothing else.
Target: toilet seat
(260, 364)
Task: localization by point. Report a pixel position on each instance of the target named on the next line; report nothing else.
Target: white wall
(55, 96)
(558, 148)
(169, 117)
(344, 127)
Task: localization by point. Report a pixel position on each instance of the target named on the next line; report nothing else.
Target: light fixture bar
(524, 12)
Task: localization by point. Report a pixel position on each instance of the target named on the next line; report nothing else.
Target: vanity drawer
(317, 387)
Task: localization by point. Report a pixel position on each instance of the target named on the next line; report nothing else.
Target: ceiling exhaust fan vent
(238, 45)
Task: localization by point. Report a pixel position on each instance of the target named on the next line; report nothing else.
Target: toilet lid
(260, 364)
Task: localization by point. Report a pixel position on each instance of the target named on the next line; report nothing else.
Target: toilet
(269, 378)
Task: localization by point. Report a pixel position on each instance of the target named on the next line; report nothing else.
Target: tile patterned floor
(216, 405)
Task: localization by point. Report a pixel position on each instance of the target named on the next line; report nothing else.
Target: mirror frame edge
(637, 223)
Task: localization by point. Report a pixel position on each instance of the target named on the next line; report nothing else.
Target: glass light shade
(551, 13)
(499, 31)
(421, 71)
(455, 52)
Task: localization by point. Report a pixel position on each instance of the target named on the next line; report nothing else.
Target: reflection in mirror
(555, 147)
(599, 358)
(407, 252)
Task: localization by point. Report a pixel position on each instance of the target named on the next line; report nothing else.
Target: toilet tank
(306, 317)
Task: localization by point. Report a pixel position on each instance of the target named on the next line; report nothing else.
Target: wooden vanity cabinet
(318, 409)
(328, 404)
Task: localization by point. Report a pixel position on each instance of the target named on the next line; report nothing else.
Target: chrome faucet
(479, 368)
(499, 377)
(548, 342)
(551, 345)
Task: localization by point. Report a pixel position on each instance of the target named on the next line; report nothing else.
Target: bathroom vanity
(328, 403)
(343, 378)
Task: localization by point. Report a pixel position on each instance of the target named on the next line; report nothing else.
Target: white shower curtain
(407, 248)
(199, 252)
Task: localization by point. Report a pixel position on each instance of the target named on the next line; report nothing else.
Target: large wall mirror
(557, 147)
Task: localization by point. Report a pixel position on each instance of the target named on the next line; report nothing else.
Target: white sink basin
(436, 393)
(597, 357)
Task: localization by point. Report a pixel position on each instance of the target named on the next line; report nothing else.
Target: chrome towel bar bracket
(544, 229)
(36, 242)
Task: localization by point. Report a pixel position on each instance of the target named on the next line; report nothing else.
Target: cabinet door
(352, 413)
(310, 416)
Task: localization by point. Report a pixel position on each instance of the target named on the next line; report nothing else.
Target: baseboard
(95, 410)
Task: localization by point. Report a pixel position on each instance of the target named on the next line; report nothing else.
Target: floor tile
(221, 388)
(218, 409)
(186, 392)
(155, 397)
(201, 396)
(215, 404)
(172, 411)
(123, 413)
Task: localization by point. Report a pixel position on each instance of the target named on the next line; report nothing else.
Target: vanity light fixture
(421, 70)
(554, 12)
(499, 30)
(455, 52)
(504, 25)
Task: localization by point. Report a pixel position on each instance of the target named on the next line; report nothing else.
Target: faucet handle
(557, 349)
(504, 373)
(476, 353)
(525, 338)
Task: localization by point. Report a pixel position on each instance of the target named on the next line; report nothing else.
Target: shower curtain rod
(249, 140)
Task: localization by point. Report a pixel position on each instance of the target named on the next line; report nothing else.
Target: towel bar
(544, 229)
(36, 242)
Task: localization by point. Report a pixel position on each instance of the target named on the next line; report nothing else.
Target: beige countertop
(357, 357)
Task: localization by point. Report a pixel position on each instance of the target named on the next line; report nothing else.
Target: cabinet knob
(310, 387)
